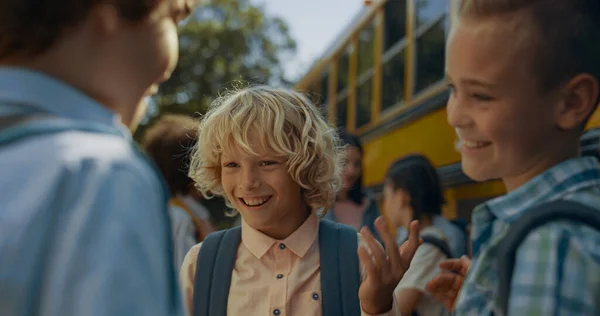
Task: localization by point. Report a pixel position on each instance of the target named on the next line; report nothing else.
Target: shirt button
(281, 246)
(276, 312)
(315, 296)
(280, 276)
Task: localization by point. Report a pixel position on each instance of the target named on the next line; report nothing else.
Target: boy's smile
(470, 146)
(505, 123)
(255, 202)
(260, 187)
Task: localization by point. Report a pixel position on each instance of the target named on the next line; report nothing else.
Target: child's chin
(478, 173)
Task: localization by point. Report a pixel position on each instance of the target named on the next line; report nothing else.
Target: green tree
(221, 44)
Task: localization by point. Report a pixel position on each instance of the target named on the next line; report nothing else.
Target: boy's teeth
(255, 202)
(474, 144)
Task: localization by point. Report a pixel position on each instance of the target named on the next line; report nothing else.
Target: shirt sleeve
(111, 253)
(556, 273)
(187, 275)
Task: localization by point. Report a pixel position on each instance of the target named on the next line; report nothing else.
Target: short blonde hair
(562, 36)
(286, 123)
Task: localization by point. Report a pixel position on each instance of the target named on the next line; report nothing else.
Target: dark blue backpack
(519, 230)
(340, 276)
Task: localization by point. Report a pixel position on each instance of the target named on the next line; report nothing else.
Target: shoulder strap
(340, 274)
(25, 127)
(519, 230)
(439, 243)
(215, 264)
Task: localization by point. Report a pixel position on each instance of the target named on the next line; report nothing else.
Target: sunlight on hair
(287, 124)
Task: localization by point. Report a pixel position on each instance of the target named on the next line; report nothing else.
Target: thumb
(466, 264)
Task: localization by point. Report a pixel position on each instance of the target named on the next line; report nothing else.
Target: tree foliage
(221, 44)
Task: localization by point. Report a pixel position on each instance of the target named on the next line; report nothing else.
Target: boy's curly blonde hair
(286, 123)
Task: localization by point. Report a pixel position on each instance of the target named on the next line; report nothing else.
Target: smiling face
(505, 122)
(260, 187)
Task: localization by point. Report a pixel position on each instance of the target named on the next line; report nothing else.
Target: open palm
(384, 271)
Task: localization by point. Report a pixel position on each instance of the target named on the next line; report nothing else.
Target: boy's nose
(457, 113)
(249, 180)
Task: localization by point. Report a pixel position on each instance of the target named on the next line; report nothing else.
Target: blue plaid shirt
(557, 267)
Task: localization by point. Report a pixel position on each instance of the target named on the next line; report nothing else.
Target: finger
(390, 244)
(447, 300)
(454, 265)
(366, 262)
(409, 248)
(443, 289)
(446, 281)
(466, 264)
(377, 252)
(442, 282)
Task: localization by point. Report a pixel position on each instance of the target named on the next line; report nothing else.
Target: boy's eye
(230, 165)
(268, 163)
(451, 87)
(482, 97)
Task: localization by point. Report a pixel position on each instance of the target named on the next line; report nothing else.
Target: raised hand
(446, 286)
(384, 271)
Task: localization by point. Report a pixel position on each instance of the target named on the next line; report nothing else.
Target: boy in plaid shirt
(524, 81)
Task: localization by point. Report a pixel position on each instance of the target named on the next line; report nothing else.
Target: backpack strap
(340, 274)
(439, 243)
(17, 128)
(214, 267)
(519, 230)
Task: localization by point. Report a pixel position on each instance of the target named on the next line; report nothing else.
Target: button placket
(279, 286)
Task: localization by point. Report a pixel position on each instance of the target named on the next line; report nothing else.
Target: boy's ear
(105, 19)
(579, 101)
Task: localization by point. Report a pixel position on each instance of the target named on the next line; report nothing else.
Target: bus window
(430, 59)
(430, 10)
(395, 22)
(392, 86)
(341, 112)
(363, 102)
(343, 70)
(365, 48)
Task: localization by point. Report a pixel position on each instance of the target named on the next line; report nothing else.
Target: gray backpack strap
(340, 273)
(439, 243)
(214, 267)
(519, 230)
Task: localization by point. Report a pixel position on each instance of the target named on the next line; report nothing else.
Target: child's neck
(549, 161)
(288, 225)
(342, 195)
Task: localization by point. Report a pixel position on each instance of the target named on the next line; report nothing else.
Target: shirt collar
(299, 242)
(23, 87)
(564, 178)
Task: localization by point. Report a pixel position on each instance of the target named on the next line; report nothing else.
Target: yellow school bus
(383, 80)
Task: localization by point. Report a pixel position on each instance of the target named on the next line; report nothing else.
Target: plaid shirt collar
(569, 176)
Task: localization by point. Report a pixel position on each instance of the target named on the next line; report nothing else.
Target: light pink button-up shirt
(268, 277)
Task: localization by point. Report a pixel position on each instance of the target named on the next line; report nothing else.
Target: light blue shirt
(83, 221)
(557, 266)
